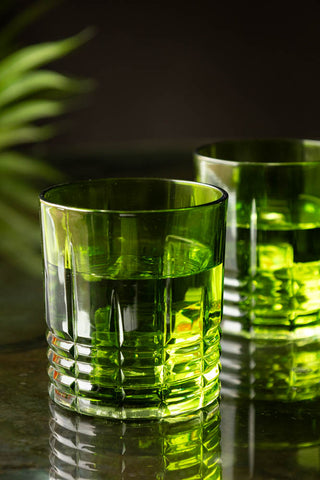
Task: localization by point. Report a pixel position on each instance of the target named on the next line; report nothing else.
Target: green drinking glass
(271, 322)
(133, 286)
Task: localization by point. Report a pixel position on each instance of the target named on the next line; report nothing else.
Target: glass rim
(199, 151)
(222, 199)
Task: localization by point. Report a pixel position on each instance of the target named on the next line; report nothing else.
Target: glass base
(91, 381)
(91, 407)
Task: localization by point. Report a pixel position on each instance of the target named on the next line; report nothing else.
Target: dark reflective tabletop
(233, 440)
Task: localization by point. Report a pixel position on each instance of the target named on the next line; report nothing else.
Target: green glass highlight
(134, 275)
(271, 319)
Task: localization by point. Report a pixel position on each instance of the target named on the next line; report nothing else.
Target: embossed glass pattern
(133, 274)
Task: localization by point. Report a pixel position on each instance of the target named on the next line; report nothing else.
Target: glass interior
(131, 194)
(264, 151)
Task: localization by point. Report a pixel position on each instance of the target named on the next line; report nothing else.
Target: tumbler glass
(133, 287)
(271, 322)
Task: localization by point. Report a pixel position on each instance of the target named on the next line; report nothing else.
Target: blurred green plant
(29, 98)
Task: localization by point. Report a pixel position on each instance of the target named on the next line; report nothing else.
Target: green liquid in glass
(138, 337)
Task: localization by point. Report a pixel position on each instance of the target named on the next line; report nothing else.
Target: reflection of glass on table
(265, 440)
(94, 448)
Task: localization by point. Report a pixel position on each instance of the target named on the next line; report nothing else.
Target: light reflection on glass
(178, 448)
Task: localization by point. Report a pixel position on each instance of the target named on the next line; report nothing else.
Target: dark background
(176, 74)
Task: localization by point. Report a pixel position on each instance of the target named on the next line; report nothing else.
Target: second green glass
(134, 274)
(271, 324)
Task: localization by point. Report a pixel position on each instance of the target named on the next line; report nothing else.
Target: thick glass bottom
(92, 381)
(92, 407)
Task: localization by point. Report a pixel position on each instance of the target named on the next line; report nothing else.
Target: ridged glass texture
(134, 274)
(271, 321)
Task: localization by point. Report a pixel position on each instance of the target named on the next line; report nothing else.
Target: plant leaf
(29, 111)
(11, 247)
(43, 94)
(43, 80)
(20, 223)
(19, 193)
(34, 56)
(19, 164)
(15, 136)
(27, 196)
